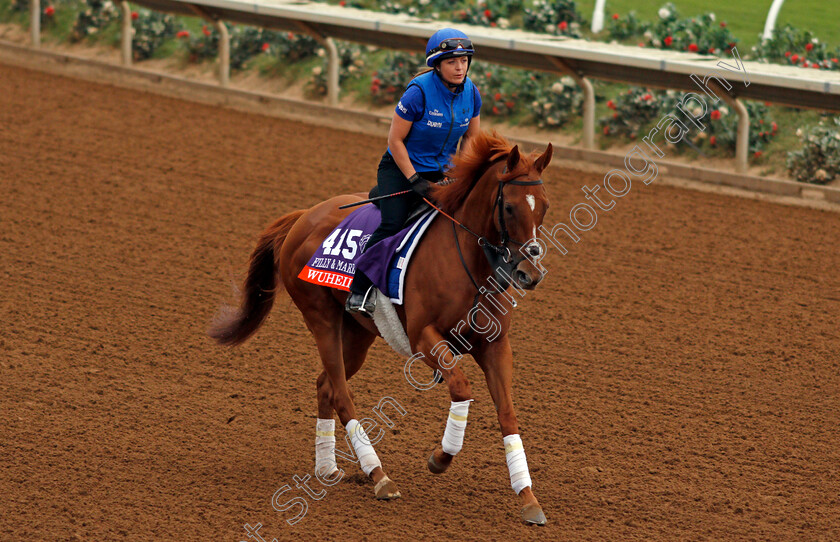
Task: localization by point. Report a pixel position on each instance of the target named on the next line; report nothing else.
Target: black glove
(419, 184)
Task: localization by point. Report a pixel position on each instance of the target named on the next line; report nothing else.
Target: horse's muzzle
(528, 278)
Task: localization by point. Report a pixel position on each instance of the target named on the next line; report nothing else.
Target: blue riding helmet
(447, 43)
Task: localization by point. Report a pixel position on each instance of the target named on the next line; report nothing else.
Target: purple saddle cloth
(336, 260)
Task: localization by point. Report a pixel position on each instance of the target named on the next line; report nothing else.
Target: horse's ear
(542, 162)
(513, 158)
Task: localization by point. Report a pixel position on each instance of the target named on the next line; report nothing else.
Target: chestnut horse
(498, 198)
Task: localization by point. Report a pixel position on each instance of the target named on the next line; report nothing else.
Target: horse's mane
(481, 152)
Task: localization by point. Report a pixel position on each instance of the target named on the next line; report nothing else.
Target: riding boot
(362, 298)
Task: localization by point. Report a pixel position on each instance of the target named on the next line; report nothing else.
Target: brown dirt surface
(676, 372)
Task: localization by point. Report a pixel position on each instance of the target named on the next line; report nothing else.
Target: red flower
(805, 64)
(835, 60)
(488, 75)
(376, 81)
(615, 16)
(787, 54)
(509, 104)
(49, 11)
(134, 15)
(713, 141)
(290, 36)
(768, 104)
(815, 65)
(692, 47)
(711, 50)
(265, 47)
(562, 25)
(492, 23)
(794, 58)
(488, 13)
(774, 126)
(668, 41)
(611, 104)
(641, 44)
(715, 114)
(497, 96)
(809, 46)
(183, 34)
(647, 97)
(495, 110)
(761, 121)
(615, 115)
(606, 130)
(723, 24)
(342, 3)
(391, 88)
(205, 31)
(757, 154)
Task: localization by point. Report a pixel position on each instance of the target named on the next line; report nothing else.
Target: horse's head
(498, 192)
(519, 207)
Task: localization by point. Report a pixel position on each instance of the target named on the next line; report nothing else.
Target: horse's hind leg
(327, 327)
(354, 350)
(356, 341)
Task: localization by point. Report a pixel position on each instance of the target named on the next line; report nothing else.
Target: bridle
(500, 203)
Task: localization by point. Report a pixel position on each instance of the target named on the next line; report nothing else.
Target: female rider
(439, 106)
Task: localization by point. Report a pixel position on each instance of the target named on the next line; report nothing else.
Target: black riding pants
(394, 210)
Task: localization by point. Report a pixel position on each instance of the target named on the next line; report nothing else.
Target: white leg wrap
(456, 425)
(517, 465)
(368, 459)
(325, 464)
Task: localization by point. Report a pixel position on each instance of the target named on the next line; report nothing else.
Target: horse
(494, 198)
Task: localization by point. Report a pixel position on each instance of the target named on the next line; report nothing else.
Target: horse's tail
(233, 325)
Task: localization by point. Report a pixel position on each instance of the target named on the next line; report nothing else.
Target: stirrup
(363, 304)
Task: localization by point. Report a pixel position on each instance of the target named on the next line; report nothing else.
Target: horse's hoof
(434, 466)
(386, 490)
(532, 514)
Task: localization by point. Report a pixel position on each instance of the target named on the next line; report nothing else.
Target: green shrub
(793, 46)
(554, 17)
(98, 15)
(818, 162)
(631, 111)
(351, 62)
(151, 29)
(390, 81)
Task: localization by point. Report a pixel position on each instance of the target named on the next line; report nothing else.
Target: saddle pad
(334, 263)
(387, 261)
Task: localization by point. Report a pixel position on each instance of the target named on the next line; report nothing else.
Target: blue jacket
(446, 116)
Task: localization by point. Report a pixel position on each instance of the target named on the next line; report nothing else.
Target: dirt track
(676, 377)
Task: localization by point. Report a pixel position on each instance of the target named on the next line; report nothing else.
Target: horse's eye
(509, 208)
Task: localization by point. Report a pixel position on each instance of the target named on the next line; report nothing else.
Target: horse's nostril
(523, 278)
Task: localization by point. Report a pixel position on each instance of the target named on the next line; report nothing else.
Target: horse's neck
(477, 213)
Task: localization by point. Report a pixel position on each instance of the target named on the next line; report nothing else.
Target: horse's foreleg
(438, 355)
(496, 360)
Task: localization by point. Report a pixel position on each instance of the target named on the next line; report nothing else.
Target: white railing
(583, 60)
